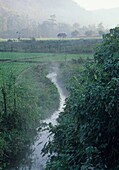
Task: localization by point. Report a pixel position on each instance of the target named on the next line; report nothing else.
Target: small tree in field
(62, 35)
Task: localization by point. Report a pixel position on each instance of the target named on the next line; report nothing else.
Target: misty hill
(65, 10)
(5, 9)
(27, 15)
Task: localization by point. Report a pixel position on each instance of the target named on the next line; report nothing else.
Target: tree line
(17, 27)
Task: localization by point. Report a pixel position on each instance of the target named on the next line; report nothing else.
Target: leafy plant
(24, 101)
(87, 135)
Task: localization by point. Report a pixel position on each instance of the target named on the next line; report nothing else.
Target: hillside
(26, 15)
(65, 10)
(42, 9)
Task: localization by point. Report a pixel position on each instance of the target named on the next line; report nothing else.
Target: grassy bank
(26, 97)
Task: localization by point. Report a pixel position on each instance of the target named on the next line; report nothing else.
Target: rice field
(41, 56)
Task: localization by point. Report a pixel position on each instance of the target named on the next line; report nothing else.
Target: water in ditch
(35, 160)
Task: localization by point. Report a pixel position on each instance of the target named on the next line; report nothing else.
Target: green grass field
(18, 62)
(42, 56)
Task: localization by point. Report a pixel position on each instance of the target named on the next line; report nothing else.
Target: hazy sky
(98, 4)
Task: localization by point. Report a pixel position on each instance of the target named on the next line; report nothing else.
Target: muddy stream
(35, 160)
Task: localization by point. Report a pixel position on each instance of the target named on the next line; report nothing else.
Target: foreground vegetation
(87, 135)
(26, 97)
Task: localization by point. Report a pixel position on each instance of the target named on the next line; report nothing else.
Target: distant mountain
(26, 15)
(5, 9)
(65, 10)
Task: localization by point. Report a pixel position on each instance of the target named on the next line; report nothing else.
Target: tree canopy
(87, 135)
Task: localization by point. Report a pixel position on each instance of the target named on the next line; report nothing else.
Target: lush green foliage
(24, 101)
(27, 96)
(43, 91)
(87, 135)
(68, 71)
